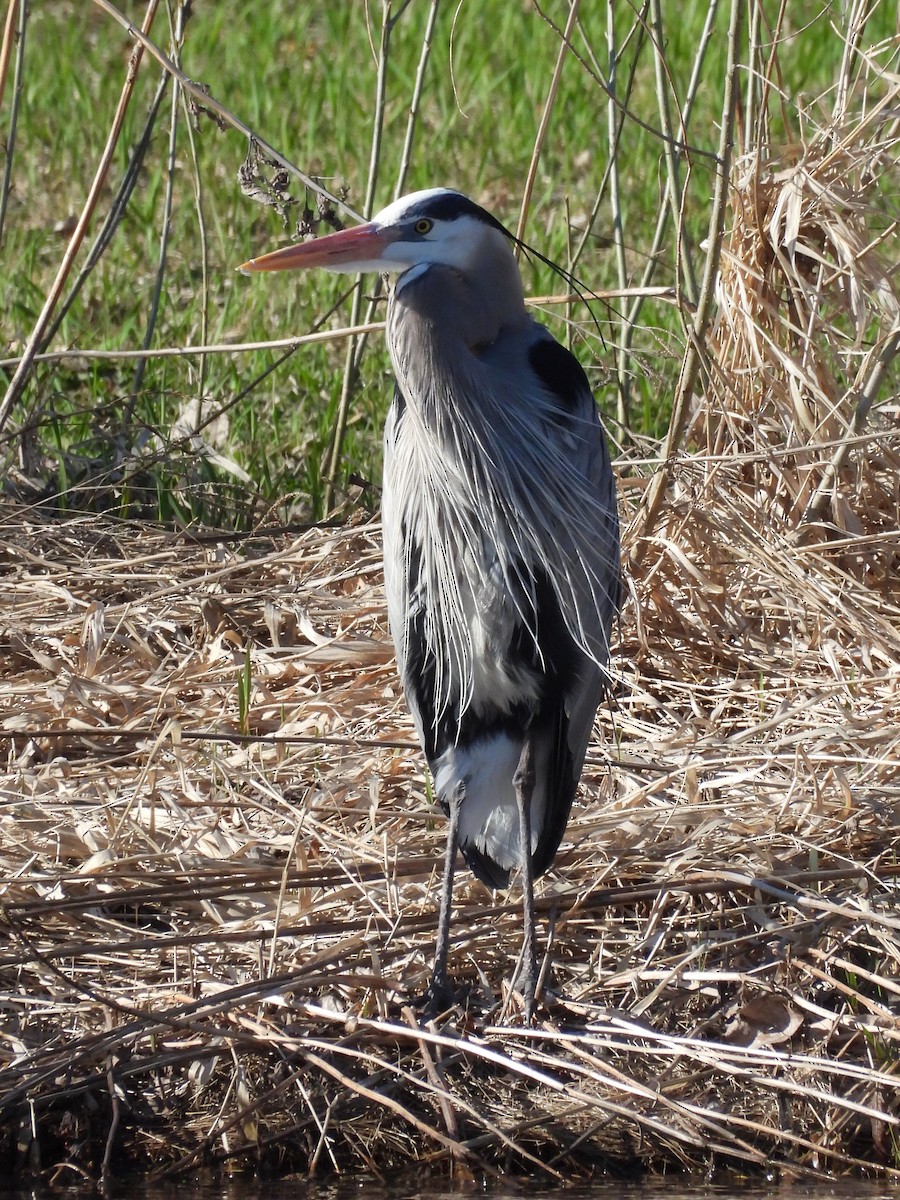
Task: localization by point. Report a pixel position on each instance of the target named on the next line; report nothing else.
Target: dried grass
(212, 937)
(218, 900)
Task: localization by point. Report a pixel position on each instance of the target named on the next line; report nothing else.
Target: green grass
(303, 76)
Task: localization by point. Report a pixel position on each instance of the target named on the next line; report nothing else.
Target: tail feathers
(553, 762)
(489, 835)
(483, 867)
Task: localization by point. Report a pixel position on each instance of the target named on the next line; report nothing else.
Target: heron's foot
(439, 997)
(526, 986)
(530, 987)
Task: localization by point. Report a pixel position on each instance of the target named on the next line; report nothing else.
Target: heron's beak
(357, 249)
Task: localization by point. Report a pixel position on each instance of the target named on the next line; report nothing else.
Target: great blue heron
(501, 538)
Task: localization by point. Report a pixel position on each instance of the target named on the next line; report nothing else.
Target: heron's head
(435, 226)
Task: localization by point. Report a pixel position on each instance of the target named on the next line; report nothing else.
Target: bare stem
(17, 382)
(883, 357)
(662, 218)
(5, 52)
(416, 99)
(354, 351)
(638, 32)
(618, 235)
(690, 366)
(113, 217)
(6, 47)
(673, 179)
(140, 368)
(323, 335)
(202, 243)
(211, 104)
(545, 119)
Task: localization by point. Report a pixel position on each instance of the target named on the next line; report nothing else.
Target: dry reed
(219, 853)
(218, 901)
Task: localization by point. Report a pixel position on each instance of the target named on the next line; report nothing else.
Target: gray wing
(597, 589)
(543, 491)
(561, 478)
(560, 481)
(580, 436)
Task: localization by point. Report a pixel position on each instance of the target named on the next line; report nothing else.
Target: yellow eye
(423, 225)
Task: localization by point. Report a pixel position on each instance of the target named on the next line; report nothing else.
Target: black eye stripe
(448, 206)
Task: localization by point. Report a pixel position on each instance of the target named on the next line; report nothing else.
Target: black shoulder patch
(450, 205)
(559, 371)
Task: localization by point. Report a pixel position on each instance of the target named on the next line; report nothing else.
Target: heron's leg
(439, 991)
(523, 781)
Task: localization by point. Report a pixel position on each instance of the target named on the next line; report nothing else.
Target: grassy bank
(218, 848)
(116, 434)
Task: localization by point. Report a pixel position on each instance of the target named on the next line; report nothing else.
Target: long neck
(440, 320)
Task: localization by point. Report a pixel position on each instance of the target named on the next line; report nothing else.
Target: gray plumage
(493, 487)
(501, 539)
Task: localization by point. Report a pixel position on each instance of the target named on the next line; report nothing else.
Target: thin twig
(355, 349)
(880, 358)
(749, 117)
(19, 79)
(665, 208)
(691, 364)
(544, 124)
(695, 151)
(444, 1099)
(211, 104)
(324, 335)
(673, 192)
(615, 201)
(638, 32)
(20, 377)
(113, 217)
(177, 30)
(115, 1108)
(202, 244)
(415, 100)
(382, 1099)
(7, 43)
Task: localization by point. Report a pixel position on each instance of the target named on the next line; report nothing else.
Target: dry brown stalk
(217, 910)
(728, 886)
